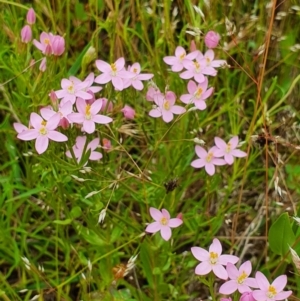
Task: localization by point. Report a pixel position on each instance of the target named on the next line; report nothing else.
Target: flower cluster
(210, 158)
(26, 31)
(239, 280)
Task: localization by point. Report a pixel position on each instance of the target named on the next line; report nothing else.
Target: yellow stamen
(135, 70)
(43, 131)
(71, 89)
(113, 68)
(228, 148)
(198, 92)
(44, 123)
(213, 257)
(167, 105)
(209, 157)
(208, 60)
(88, 115)
(197, 65)
(182, 56)
(271, 291)
(164, 221)
(46, 41)
(242, 277)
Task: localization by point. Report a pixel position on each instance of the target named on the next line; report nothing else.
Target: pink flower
(50, 44)
(128, 112)
(42, 131)
(79, 146)
(228, 150)
(177, 61)
(163, 223)
(239, 279)
(63, 110)
(197, 94)
(211, 39)
(270, 292)
(247, 296)
(209, 62)
(58, 45)
(30, 17)
(152, 91)
(197, 70)
(113, 72)
(166, 107)
(89, 80)
(26, 34)
(207, 159)
(136, 80)
(43, 65)
(107, 105)
(213, 260)
(71, 89)
(88, 115)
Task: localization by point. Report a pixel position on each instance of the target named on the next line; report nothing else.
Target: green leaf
(67, 221)
(76, 212)
(281, 235)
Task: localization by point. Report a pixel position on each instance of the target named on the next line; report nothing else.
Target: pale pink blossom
(209, 62)
(79, 147)
(138, 77)
(207, 159)
(26, 34)
(71, 89)
(211, 39)
(42, 131)
(239, 279)
(63, 109)
(128, 112)
(89, 80)
(270, 292)
(198, 93)
(58, 45)
(163, 223)
(115, 73)
(50, 44)
(30, 17)
(177, 61)
(166, 107)
(197, 70)
(212, 260)
(88, 115)
(228, 150)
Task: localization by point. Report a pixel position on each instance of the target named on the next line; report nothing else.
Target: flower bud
(193, 46)
(43, 65)
(247, 296)
(212, 39)
(30, 16)
(106, 144)
(107, 105)
(128, 112)
(26, 34)
(58, 45)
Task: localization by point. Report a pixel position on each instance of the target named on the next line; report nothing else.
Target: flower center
(47, 41)
(182, 56)
(242, 278)
(71, 89)
(208, 60)
(197, 66)
(271, 292)
(228, 148)
(198, 93)
(113, 69)
(135, 70)
(88, 115)
(164, 221)
(43, 130)
(213, 257)
(209, 157)
(167, 105)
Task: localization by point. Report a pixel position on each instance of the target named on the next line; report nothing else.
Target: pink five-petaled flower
(113, 72)
(270, 292)
(239, 279)
(136, 80)
(50, 44)
(166, 106)
(207, 159)
(209, 61)
(180, 57)
(163, 223)
(42, 131)
(228, 150)
(88, 115)
(78, 149)
(71, 89)
(212, 260)
(197, 94)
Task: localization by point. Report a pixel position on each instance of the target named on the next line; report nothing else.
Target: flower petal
(89, 126)
(166, 232)
(203, 268)
(262, 281)
(280, 282)
(198, 163)
(200, 253)
(220, 271)
(153, 227)
(175, 222)
(228, 287)
(57, 136)
(41, 144)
